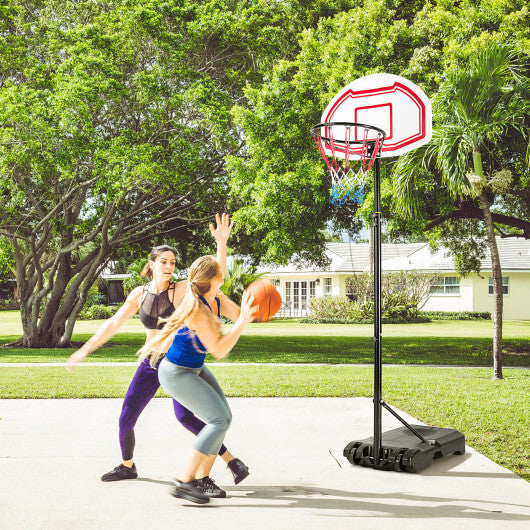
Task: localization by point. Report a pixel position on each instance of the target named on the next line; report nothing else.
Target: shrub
(398, 288)
(4, 305)
(94, 295)
(340, 310)
(331, 307)
(418, 320)
(98, 312)
(134, 279)
(8, 304)
(238, 277)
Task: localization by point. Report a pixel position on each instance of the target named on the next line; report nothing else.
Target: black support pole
(376, 242)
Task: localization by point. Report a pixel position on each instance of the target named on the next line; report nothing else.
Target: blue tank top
(187, 350)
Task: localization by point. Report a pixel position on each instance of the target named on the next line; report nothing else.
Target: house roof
(514, 254)
(355, 257)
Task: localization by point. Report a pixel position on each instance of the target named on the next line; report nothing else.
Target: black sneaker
(120, 472)
(210, 488)
(189, 491)
(238, 469)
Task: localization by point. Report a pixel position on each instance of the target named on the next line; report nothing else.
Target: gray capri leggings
(198, 390)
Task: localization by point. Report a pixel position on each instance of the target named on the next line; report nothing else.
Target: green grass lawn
(452, 343)
(494, 415)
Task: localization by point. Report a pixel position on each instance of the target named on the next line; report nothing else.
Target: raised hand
(221, 232)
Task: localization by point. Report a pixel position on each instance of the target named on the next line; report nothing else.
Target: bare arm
(229, 308)
(179, 292)
(219, 346)
(108, 328)
(221, 233)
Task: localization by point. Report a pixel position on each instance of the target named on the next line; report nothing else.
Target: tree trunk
(52, 292)
(496, 273)
(47, 327)
(40, 322)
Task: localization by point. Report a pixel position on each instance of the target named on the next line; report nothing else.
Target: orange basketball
(267, 298)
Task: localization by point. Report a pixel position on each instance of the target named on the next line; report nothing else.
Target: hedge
(457, 315)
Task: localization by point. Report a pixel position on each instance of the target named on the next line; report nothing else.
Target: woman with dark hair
(153, 301)
(191, 332)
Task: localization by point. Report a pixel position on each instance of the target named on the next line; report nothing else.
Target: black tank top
(155, 306)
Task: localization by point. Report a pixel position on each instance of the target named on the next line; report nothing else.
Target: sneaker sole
(118, 479)
(188, 497)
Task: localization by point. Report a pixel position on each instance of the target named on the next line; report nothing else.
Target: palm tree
(237, 278)
(474, 110)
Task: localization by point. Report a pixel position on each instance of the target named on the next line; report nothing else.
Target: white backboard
(389, 102)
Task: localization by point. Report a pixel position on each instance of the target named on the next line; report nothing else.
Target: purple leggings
(142, 389)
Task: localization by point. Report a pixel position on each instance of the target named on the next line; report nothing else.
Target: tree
(474, 110)
(279, 187)
(114, 123)
(278, 182)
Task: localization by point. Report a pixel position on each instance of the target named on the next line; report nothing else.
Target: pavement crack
(333, 456)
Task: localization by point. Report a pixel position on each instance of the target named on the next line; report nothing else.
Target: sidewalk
(52, 453)
(135, 363)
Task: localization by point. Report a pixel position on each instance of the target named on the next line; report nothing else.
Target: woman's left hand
(221, 232)
(248, 309)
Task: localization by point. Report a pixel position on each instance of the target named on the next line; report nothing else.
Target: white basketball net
(347, 180)
(347, 184)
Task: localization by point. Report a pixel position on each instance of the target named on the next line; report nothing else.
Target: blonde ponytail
(201, 273)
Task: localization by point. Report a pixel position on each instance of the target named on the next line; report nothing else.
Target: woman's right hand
(248, 309)
(74, 359)
(107, 330)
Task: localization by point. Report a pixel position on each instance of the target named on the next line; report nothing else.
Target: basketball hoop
(349, 150)
(402, 121)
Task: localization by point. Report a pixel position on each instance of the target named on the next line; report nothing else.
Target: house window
(303, 295)
(296, 296)
(312, 289)
(505, 285)
(447, 285)
(327, 286)
(287, 291)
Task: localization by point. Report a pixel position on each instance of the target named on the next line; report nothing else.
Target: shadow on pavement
(330, 499)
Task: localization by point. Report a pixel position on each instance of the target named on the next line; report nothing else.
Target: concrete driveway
(52, 453)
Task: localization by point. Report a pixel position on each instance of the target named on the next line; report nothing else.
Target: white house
(454, 293)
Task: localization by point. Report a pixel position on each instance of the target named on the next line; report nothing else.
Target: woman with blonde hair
(189, 333)
(154, 301)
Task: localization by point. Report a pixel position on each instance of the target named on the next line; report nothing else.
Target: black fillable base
(402, 450)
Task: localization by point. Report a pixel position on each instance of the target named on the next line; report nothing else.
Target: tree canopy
(281, 181)
(114, 124)
(480, 132)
